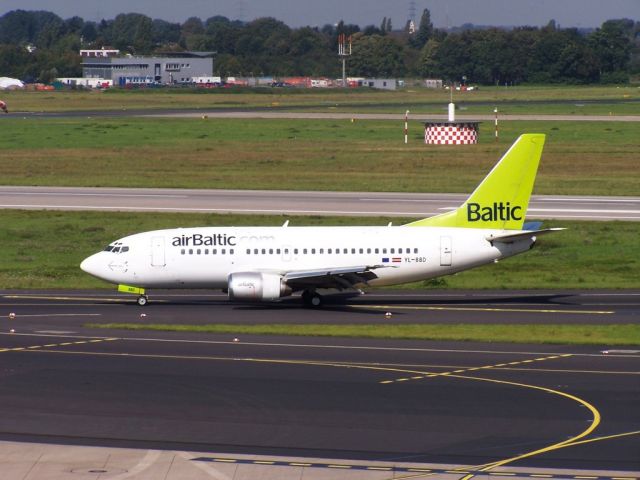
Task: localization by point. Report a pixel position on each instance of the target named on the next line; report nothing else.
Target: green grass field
(44, 250)
(579, 158)
(606, 335)
(587, 100)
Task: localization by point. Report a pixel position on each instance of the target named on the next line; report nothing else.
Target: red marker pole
(495, 111)
(406, 127)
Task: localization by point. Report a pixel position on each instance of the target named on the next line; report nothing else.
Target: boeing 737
(269, 263)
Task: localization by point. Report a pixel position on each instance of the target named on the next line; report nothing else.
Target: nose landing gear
(142, 300)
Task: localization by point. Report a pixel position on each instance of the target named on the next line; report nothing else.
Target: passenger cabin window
(415, 250)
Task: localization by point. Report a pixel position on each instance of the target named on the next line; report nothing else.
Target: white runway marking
(60, 315)
(63, 194)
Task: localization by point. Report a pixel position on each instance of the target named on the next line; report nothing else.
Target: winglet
(502, 198)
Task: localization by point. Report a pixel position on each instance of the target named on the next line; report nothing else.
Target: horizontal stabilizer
(514, 237)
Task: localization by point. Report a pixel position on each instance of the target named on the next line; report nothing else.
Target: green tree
(578, 64)
(428, 66)
(132, 31)
(164, 33)
(383, 26)
(612, 46)
(425, 30)
(377, 56)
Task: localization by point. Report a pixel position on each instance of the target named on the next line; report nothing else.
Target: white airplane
(269, 263)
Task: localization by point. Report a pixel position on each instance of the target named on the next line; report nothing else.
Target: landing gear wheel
(312, 299)
(142, 300)
(316, 300)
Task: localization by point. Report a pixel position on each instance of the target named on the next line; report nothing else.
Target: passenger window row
(331, 251)
(205, 251)
(297, 251)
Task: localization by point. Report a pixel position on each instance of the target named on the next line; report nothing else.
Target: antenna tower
(241, 11)
(412, 11)
(344, 51)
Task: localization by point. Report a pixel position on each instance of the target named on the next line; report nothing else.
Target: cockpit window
(116, 248)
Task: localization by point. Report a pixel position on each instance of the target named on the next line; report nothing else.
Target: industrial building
(380, 83)
(171, 68)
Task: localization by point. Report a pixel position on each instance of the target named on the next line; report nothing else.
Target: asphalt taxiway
(366, 403)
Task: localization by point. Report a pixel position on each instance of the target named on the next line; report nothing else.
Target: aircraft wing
(339, 278)
(513, 237)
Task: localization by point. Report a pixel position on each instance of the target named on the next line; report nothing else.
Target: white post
(495, 111)
(406, 126)
(452, 112)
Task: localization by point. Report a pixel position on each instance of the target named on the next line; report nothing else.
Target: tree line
(39, 46)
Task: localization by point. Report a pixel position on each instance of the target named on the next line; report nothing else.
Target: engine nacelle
(257, 287)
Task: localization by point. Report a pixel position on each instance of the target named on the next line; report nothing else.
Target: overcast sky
(444, 13)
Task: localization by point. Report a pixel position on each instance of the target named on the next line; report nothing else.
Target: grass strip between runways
(614, 334)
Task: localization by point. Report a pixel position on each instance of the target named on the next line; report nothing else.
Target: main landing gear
(312, 299)
(142, 300)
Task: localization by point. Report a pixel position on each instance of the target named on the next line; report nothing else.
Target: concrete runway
(300, 113)
(301, 203)
(520, 410)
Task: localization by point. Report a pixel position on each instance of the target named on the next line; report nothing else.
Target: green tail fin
(502, 198)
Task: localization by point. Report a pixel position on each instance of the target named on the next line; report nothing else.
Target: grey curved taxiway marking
(300, 202)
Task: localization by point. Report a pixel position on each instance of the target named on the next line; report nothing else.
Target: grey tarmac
(279, 202)
(391, 116)
(183, 405)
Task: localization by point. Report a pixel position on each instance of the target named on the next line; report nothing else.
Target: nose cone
(94, 265)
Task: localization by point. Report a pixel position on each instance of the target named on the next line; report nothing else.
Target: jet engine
(257, 286)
